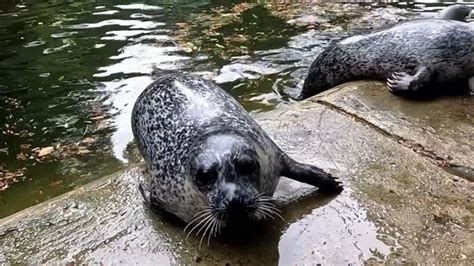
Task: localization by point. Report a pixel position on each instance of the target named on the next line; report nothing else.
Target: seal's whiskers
(204, 218)
(197, 216)
(207, 225)
(266, 207)
(204, 223)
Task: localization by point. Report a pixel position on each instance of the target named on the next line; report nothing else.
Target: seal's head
(323, 76)
(314, 83)
(457, 12)
(226, 170)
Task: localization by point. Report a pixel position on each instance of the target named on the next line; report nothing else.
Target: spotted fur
(412, 56)
(457, 12)
(178, 119)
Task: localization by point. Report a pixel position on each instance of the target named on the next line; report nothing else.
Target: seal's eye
(246, 166)
(205, 176)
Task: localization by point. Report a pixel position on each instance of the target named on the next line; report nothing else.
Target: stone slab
(443, 126)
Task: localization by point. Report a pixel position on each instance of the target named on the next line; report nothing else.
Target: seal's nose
(237, 208)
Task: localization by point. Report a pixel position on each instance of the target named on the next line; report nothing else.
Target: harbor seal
(457, 12)
(209, 161)
(413, 57)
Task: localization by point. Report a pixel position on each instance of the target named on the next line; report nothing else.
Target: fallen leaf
(83, 150)
(21, 156)
(25, 146)
(95, 118)
(88, 140)
(45, 151)
(187, 50)
(55, 183)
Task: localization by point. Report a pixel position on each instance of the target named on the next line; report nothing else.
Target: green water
(71, 70)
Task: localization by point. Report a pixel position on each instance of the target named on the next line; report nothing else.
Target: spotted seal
(412, 57)
(457, 12)
(208, 159)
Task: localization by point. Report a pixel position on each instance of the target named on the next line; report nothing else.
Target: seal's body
(207, 157)
(412, 57)
(457, 12)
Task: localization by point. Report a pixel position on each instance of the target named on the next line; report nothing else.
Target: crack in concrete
(461, 171)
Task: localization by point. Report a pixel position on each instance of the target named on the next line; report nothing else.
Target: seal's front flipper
(401, 82)
(311, 175)
(145, 191)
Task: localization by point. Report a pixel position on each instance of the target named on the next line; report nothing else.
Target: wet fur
(171, 118)
(443, 48)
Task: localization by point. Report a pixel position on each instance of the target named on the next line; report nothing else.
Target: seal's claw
(390, 84)
(397, 75)
(399, 82)
(335, 186)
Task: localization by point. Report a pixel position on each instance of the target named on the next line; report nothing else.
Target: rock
(441, 128)
(308, 20)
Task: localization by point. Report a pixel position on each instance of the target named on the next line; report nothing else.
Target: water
(71, 70)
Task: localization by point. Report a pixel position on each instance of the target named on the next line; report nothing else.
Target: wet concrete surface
(398, 206)
(441, 128)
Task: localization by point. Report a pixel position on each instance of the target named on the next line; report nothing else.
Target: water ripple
(140, 59)
(133, 24)
(34, 44)
(108, 12)
(66, 43)
(139, 7)
(122, 35)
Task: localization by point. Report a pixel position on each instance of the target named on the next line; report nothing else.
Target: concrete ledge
(441, 128)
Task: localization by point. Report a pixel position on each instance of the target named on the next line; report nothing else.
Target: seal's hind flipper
(145, 191)
(312, 175)
(401, 82)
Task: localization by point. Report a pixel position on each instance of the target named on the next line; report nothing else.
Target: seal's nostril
(236, 207)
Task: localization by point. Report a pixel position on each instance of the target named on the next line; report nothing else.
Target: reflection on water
(70, 72)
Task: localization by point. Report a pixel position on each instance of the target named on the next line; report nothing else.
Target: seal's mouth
(211, 221)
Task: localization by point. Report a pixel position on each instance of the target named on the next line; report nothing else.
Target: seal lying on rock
(413, 57)
(209, 161)
(457, 12)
